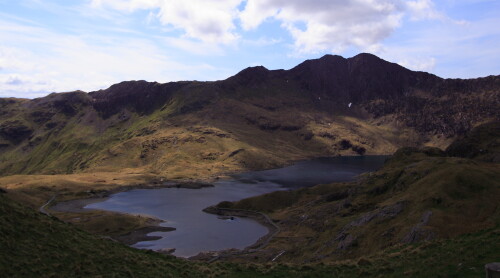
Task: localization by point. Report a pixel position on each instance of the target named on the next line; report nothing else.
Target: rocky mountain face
(321, 107)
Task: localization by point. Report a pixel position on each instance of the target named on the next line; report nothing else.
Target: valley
(417, 203)
(434, 202)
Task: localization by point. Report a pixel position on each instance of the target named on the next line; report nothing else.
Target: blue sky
(56, 46)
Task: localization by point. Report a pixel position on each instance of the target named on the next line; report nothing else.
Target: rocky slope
(256, 119)
(420, 195)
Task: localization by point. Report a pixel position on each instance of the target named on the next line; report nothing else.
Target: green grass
(265, 203)
(462, 195)
(87, 140)
(34, 245)
(461, 257)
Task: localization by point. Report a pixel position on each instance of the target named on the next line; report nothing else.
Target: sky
(60, 45)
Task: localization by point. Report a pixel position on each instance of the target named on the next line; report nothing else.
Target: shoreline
(133, 236)
(261, 218)
(141, 234)
(77, 204)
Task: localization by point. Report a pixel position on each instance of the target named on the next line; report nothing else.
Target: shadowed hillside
(425, 214)
(420, 195)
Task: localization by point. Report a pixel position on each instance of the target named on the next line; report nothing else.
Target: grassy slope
(272, 131)
(382, 209)
(464, 256)
(462, 194)
(33, 244)
(482, 143)
(275, 116)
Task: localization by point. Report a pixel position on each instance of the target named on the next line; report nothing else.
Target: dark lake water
(321, 170)
(197, 231)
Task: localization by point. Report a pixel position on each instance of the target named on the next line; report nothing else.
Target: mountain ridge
(309, 110)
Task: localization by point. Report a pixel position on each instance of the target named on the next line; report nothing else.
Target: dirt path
(42, 208)
(76, 206)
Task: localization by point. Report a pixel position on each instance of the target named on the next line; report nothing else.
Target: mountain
(257, 119)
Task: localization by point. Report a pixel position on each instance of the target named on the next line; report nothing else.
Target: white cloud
(194, 47)
(425, 9)
(335, 25)
(422, 9)
(206, 20)
(449, 50)
(69, 62)
(315, 25)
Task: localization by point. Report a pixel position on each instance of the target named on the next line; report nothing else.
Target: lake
(197, 231)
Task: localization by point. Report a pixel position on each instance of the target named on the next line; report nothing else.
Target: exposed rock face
(251, 76)
(418, 99)
(139, 96)
(345, 239)
(358, 79)
(482, 142)
(419, 232)
(383, 213)
(15, 131)
(492, 270)
(68, 104)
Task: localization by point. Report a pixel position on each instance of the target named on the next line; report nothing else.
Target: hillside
(256, 119)
(420, 195)
(427, 213)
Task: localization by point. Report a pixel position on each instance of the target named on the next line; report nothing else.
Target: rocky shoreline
(141, 234)
(95, 196)
(134, 236)
(262, 242)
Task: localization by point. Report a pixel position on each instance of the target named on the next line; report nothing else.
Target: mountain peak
(251, 75)
(253, 70)
(366, 55)
(373, 62)
(330, 57)
(322, 63)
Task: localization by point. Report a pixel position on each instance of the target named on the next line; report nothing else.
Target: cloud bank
(315, 25)
(206, 20)
(62, 62)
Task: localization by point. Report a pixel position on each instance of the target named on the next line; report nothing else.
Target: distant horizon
(56, 46)
(194, 80)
